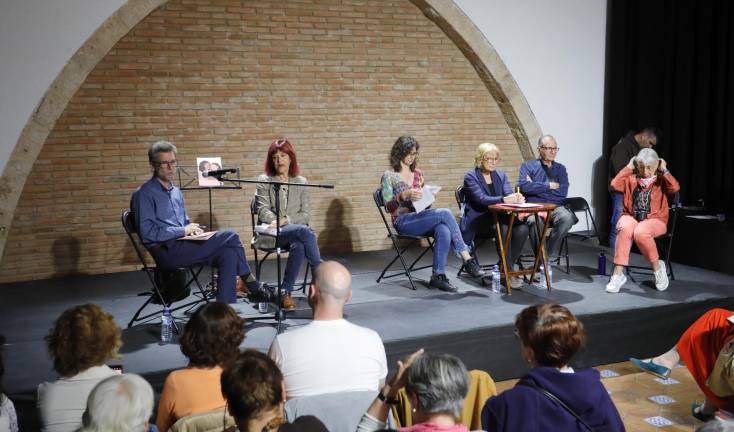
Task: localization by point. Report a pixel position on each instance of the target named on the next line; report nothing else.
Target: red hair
(286, 147)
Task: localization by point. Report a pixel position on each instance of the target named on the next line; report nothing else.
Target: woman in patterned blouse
(401, 186)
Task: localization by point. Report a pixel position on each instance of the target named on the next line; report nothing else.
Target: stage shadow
(143, 336)
(337, 235)
(531, 295)
(678, 290)
(66, 252)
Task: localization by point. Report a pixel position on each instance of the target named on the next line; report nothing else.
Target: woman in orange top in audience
(211, 341)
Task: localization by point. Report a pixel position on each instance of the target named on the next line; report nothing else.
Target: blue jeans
(300, 242)
(439, 223)
(617, 207)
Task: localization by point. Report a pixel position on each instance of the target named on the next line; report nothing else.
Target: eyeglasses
(280, 142)
(169, 164)
(553, 149)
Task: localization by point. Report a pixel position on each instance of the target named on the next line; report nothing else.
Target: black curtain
(670, 64)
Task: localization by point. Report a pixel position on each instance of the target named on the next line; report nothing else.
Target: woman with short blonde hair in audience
(121, 403)
(255, 392)
(82, 339)
(549, 337)
(211, 341)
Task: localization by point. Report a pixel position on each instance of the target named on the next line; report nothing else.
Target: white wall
(555, 51)
(38, 37)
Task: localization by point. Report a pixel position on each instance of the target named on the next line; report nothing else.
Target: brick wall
(340, 79)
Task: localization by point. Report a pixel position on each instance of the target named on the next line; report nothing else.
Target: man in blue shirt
(544, 180)
(161, 219)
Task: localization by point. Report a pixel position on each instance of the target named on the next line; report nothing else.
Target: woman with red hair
(295, 236)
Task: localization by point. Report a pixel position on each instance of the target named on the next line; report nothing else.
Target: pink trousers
(643, 233)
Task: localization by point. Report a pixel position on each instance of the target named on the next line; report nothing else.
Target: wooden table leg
(504, 244)
(541, 250)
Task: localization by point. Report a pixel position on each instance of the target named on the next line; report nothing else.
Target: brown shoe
(287, 302)
(242, 290)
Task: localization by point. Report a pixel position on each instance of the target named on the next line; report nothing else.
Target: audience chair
(269, 250)
(210, 421)
(167, 285)
(393, 235)
(480, 238)
(664, 242)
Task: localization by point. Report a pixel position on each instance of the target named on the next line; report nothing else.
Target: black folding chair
(167, 285)
(663, 242)
(269, 250)
(395, 237)
(576, 205)
(479, 238)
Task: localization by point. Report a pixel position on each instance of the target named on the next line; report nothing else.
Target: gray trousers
(561, 222)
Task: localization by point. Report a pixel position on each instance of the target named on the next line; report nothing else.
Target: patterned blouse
(392, 186)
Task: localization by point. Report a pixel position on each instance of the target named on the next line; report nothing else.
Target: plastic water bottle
(542, 283)
(166, 326)
(601, 267)
(496, 287)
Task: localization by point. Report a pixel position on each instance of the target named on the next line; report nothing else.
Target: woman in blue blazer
(485, 185)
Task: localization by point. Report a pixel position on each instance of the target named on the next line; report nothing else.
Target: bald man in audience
(330, 354)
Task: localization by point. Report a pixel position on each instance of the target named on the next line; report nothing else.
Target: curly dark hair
(400, 149)
(213, 335)
(552, 332)
(82, 337)
(251, 384)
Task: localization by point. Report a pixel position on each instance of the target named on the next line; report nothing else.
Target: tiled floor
(631, 390)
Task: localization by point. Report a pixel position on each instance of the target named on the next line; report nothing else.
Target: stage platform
(474, 323)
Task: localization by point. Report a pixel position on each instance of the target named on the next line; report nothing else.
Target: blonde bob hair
(482, 150)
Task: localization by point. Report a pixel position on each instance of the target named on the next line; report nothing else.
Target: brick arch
(59, 112)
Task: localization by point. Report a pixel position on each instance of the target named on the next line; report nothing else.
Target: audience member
(707, 350)
(80, 342)
(296, 237)
(210, 340)
(544, 180)
(549, 338)
(645, 183)
(121, 403)
(255, 393)
(329, 354)
(625, 149)
(8, 418)
(436, 385)
(401, 186)
(484, 186)
(717, 425)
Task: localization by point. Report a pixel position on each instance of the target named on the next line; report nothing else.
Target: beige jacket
(294, 204)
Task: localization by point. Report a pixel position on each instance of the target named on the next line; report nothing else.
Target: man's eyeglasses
(553, 149)
(169, 164)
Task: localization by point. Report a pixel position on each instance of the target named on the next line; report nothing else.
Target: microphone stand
(280, 314)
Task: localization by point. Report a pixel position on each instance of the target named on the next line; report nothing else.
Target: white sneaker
(661, 277)
(615, 283)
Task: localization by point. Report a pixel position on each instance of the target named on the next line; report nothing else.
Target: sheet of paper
(200, 237)
(429, 196)
(265, 229)
(523, 205)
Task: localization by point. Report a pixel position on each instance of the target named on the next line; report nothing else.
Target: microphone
(220, 172)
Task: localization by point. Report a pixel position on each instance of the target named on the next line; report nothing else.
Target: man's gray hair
(439, 382)
(120, 403)
(540, 140)
(648, 157)
(160, 147)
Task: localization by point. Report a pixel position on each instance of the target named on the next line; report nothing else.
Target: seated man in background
(544, 180)
(161, 220)
(330, 354)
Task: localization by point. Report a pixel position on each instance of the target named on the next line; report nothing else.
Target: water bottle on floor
(496, 287)
(542, 282)
(166, 326)
(601, 267)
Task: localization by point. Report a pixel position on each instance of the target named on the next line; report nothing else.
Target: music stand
(279, 314)
(191, 185)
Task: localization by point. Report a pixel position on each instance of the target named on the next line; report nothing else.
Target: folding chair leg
(137, 313)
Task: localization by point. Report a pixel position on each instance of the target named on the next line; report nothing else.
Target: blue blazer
(478, 199)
